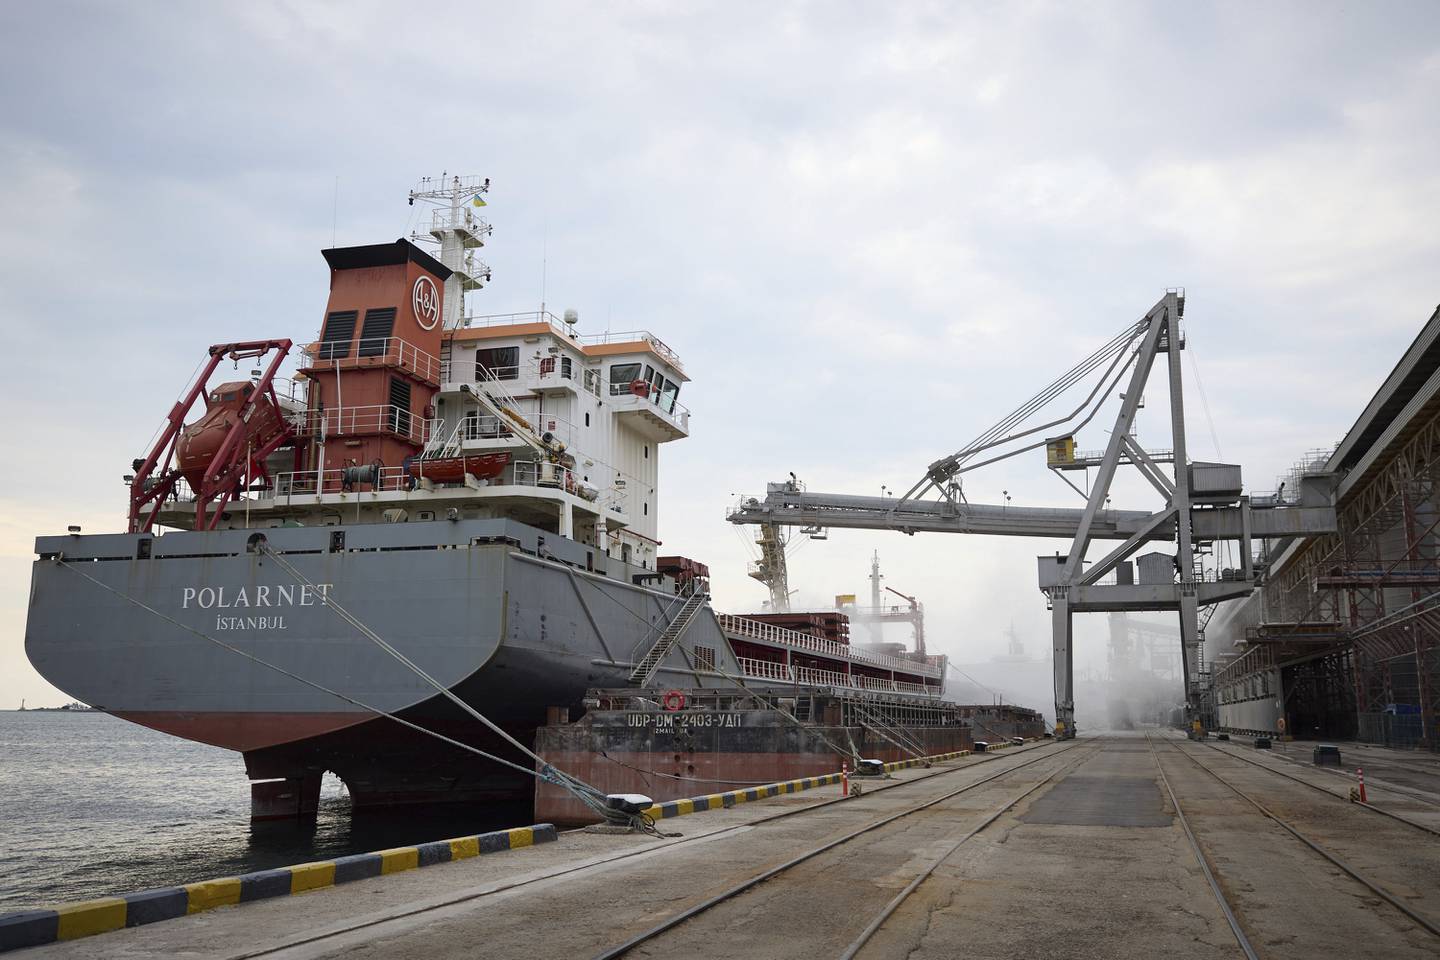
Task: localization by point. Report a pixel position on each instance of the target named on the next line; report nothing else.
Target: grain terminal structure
(1341, 639)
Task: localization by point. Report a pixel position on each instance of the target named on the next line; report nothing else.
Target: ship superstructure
(405, 408)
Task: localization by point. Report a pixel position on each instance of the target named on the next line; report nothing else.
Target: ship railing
(666, 404)
(464, 219)
(502, 382)
(510, 319)
(290, 392)
(375, 352)
(307, 483)
(182, 492)
(561, 329)
(769, 670)
(829, 678)
(471, 371)
(766, 670)
(636, 336)
(804, 641)
(898, 686)
(362, 420)
(552, 476)
(487, 426)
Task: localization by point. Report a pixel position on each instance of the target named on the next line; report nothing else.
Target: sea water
(91, 805)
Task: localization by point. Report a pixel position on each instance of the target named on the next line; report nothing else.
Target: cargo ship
(333, 563)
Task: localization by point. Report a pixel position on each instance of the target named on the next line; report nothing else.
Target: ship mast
(459, 231)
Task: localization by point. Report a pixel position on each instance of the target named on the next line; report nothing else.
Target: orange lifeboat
(201, 440)
(482, 466)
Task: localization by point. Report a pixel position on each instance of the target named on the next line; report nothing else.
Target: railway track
(1428, 924)
(377, 923)
(1226, 908)
(755, 880)
(1344, 798)
(1382, 766)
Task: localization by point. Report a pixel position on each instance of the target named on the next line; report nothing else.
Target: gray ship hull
(511, 619)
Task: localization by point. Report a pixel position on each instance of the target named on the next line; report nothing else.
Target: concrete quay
(1051, 850)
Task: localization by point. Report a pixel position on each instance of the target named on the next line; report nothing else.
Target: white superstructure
(610, 400)
(529, 420)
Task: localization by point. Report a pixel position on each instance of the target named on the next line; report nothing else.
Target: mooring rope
(589, 795)
(548, 773)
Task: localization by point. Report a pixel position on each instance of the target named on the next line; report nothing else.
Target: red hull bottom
(242, 731)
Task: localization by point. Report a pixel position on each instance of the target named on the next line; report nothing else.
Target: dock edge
(33, 928)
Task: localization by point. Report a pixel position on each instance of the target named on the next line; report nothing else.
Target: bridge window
(502, 363)
(621, 375)
(335, 338)
(668, 393)
(566, 368)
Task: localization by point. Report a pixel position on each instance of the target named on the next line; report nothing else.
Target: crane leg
(1064, 663)
(1190, 662)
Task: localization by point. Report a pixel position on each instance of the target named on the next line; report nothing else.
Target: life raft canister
(673, 700)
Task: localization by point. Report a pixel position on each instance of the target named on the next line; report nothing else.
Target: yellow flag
(478, 200)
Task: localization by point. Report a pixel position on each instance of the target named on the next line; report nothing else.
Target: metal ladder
(645, 670)
(449, 446)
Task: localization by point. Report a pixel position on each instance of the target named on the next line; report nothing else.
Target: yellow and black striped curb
(69, 921)
(716, 801)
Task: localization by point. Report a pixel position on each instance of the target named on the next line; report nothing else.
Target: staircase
(441, 446)
(644, 671)
(489, 392)
(889, 731)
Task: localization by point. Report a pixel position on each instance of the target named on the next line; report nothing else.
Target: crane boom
(786, 504)
(1203, 503)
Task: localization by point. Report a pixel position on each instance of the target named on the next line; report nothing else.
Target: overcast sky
(870, 230)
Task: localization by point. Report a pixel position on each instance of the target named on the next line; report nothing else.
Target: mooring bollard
(844, 778)
(1360, 775)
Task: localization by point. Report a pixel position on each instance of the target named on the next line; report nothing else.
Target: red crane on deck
(223, 452)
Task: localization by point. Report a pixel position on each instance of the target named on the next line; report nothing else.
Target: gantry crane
(1203, 503)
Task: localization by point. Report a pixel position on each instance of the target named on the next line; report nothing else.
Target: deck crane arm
(902, 596)
(917, 619)
(1200, 505)
(514, 422)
